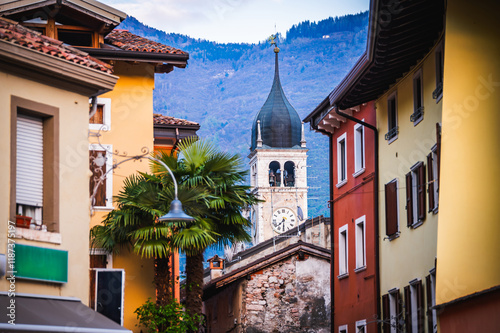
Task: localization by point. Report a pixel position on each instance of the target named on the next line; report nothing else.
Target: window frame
(430, 282)
(360, 244)
(415, 314)
(415, 195)
(394, 309)
(341, 160)
(359, 149)
(392, 132)
(343, 329)
(96, 272)
(109, 174)
(418, 111)
(343, 252)
(437, 94)
(106, 115)
(433, 180)
(360, 323)
(50, 118)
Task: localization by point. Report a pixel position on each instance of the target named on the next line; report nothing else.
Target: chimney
(216, 267)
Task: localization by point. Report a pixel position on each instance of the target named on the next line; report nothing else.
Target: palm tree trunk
(194, 283)
(162, 281)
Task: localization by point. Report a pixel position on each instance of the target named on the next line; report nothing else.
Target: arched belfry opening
(274, 174)
(289, 174)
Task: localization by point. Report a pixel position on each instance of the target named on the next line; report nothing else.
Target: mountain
(225, 85)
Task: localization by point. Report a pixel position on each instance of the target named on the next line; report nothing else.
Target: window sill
(342, 183)
(359, 172)
(417, 121)
(393, 237)
(416, 225)
(391, 140)
(343, 276)
(101, 127)
(103, 208)
(360, 269)
(39, 236)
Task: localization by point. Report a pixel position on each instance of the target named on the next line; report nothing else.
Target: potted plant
(23, 221)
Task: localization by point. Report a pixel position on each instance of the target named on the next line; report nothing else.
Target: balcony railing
(392, 133)
(417, 115)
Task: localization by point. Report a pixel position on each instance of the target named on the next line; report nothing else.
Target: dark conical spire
(280, 124)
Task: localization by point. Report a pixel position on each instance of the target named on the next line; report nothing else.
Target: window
(430, 283)
(289, 174)
(76, 37)
(437, 94)
(341, 160)
(415, 195)
(343, 253)
(359, 149)
(392, 118)
(414, 313)
(418, 99)
(361, 242)
(34, 172)
(274, 174)
(391, 311)
(343, 329)
(102, 115)
(361, 326)
(432, 174)
(101, 164)
(391, 209)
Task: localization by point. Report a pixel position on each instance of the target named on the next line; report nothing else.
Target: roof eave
(178, 60)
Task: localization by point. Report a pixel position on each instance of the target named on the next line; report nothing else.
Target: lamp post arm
(170, 171)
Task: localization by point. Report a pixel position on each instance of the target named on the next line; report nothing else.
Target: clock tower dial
(283, 219)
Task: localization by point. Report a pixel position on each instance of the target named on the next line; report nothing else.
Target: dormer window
(68, 34)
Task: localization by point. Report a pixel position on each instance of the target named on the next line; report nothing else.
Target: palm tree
(210, 187)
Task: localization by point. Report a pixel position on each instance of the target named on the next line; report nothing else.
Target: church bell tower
(278, 167)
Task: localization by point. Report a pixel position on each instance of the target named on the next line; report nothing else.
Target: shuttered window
(386, 313)
(97, 172)
(29, 162)
(415, 195)
(408, 310)
(391, 208)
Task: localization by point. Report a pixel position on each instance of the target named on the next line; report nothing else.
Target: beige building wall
(73, 185)
(413, 253)
(131, 131)
(468, 235)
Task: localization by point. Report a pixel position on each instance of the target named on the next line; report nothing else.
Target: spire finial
(272, 39)
(303, 137)
(259, 137)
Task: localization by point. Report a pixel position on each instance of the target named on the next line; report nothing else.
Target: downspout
(376, 203)
(330, 170)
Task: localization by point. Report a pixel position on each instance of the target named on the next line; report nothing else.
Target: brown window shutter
(100, 197)
(430, 189)
(407, 308)
(420, 306)
(409, 200)
(428, 288)
(391, 208)
(386, 312)
(92, 289)
(421, 192)
(438, 151)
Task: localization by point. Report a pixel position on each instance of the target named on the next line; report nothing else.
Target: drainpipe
(376, 203)
(330, 170)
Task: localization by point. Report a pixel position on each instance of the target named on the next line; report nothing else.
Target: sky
(233, 21)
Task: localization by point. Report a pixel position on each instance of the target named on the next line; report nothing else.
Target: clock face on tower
(283, 219)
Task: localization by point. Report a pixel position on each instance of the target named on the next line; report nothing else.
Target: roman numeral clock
(278, 165)
(283, 220)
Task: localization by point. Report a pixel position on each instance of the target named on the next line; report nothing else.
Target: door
(109, 293)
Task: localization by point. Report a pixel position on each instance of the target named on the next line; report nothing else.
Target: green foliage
(169, 318)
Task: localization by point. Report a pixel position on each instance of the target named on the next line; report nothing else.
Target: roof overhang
(163, 61)
(400, 33)
(37, 313)
(86, 11)
(32, 64)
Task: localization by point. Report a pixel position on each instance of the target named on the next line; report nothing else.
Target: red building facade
(352, 204)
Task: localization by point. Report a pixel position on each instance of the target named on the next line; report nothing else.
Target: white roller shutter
(29, 166)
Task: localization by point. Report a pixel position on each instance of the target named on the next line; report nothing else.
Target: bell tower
(278, 167)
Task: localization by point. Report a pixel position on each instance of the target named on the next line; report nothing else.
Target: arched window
(289, 174)
(274, 174)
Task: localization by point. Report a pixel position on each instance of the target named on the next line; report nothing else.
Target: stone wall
(290, 296)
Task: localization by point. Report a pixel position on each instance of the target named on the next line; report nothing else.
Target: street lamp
(176, 212)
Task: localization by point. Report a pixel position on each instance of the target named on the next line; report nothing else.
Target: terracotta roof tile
(159, 119)
(129, 42)
(15, 33)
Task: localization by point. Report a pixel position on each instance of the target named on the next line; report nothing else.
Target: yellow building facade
(468, 274)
